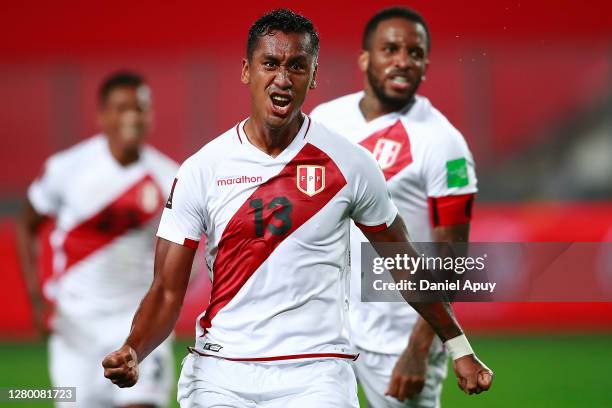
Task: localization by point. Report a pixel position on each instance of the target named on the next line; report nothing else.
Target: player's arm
(438, 314)
(27, 245)
(410, 372)
(450, 180)
(472, 375)
(156, 315)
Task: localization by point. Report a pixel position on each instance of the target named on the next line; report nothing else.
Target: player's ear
(100, 117)
(363, 61)
(313, 82)
(244, 76)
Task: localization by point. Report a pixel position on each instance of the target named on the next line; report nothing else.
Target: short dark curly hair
(283, 20)
(119, 79)
(387, 14)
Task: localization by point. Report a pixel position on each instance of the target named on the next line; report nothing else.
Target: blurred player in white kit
(430, 175)
(106, 194)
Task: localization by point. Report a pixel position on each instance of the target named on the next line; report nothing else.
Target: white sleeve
(449, 167)
(45, 193)
(182, 221)
(316, 113)
(373, 208)
(170, 170)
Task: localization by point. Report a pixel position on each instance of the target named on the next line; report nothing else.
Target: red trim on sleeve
(451, 210)
(371, 228)
(190, 243)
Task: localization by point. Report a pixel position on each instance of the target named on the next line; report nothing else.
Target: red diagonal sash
(273, 212)
(132, 209)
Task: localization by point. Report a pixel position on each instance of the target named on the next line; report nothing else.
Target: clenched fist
(121, 366)
(473, 377)
(408, 375)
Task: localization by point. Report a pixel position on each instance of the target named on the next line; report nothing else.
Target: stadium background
(528, 83)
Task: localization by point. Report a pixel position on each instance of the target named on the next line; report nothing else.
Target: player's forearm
(421, 338)
(154, 320)
(27, 245)
(422, 334)
(160, 308)
(440, 317)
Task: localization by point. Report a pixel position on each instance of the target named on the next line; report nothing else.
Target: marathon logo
(213, 347)
(239, 180)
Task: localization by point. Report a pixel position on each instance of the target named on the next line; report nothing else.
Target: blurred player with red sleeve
(430, 174)
(105, 194)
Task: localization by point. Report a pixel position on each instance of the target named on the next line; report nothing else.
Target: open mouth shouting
(281, 103)
(400, 82)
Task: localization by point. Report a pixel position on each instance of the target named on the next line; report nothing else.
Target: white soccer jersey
(430, 175)
(276, 236)
(105, 216)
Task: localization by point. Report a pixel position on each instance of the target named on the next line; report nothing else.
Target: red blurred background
(529, 84)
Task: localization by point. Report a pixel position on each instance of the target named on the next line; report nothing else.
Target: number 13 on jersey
(280, 208)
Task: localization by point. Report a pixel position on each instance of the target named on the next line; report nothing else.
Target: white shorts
(209, 382)
(82, 368)
(373, 371)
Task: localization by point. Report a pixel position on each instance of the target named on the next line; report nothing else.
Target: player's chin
(399, 94)
(279, 120)
(132, 140)
(398, 99)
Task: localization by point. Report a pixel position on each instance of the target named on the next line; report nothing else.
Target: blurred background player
(105, 195)
(273, 196)
(430, 174)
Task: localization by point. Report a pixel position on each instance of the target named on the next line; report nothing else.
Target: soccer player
(273, 197)
(430, 175)
(106, 195)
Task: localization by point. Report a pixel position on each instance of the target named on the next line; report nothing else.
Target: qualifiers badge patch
(169, 201)
(456, 173)
(310, 179)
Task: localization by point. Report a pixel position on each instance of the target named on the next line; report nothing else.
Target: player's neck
(272, 141)
(372, 108)
(123, 156)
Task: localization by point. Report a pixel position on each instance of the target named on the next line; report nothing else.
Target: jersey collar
(297, 143)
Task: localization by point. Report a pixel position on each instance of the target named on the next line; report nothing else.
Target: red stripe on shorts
(278, 358)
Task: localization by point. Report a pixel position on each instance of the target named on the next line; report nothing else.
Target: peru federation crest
(310, 179)
(386, 152)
